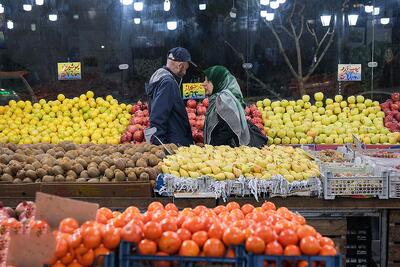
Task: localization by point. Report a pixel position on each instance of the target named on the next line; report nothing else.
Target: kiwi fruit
(120, 164)
(93, 180)
(27, 180)
(82, 162)
(141, 163)
(77, 168)
(138, 171)
(48, 179)
(109, 173)
(70, 179)
(160, 154)
(59, 154)
(119, 175)
(130, 151)
(17, 181)
(56, 170)
(130, 163)
(29, 167)
(144, 176)
(6, 178)
(20, 174)
(152, 173)
(41, 172)
(19, 157)
(59, 178)
(153, 160)
(66, 164)
(132, 176)
(71, 173)
(93, 172)
(31, 174)
(84, 174)
(103, 166)
(81, 180)
(104, 180)
(36, 165)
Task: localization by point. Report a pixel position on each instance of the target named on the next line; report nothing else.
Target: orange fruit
(247, 208)
(328, 250)
(155, 206)
(305, 230)
(189, 248)
(68, 225)
(147, 247)
(268, 206)
(266, 233)
(171, 206)
(200, 238)
(326, 241)
(214, 248)
(199, 210)
(292, 250)
(169, 242)
(215, 231)
(255, 245)
(132, 233)
(232, 205)
(61, 248)
(159, 215)
(273, 248)
(193, 224)
(152, 230)
(169, 224)
(184, 234)
(309, 245)
(288, 237)
(220, 209)
(233, 236)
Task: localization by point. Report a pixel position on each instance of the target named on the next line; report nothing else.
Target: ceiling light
(369, 8)
(352, 19)
(53, 17)
(136, 20)
(76, 16)
(126, 2)
(376, 11)
(326, 20)
(264, 2)
(167, 5)
(172, 25)
(270, 16)
(202, 6)
(274, 4)
(233, 13)
(39, 2)
(10, 24)
(33, 27)
(138, 6)
(27, 7)
(385, 21)
(102, 47)
(263, 13)
(281, 1)
(1, 9)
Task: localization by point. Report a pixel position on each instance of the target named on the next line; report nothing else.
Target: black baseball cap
(180, 54)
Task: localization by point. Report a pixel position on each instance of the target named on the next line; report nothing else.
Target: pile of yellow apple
(224, 162)
(329, 121)
(82, 120)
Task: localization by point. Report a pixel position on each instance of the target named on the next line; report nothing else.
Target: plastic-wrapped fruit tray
(347, 168)
(384, 157)
(357, 185)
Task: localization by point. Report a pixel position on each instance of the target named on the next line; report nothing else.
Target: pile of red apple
(197, 114)
(391, 108)
(254, 115)
(139, 121)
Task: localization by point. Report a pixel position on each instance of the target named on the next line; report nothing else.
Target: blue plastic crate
(258, 260)
(109, 261)
(127, 259)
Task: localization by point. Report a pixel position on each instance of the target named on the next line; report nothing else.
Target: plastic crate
(377, 186)
(394, 184)
(279, 261)
(360, 169)
(128, 259)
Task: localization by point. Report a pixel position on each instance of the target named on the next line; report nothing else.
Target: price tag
(373, 64)
(193, 91)
(69, 71)
(349, 72)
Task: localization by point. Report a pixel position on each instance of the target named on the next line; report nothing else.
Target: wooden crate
(74, 190)
(394, 238)
(21, 191)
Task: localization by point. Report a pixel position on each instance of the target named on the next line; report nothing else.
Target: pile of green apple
(326, 121)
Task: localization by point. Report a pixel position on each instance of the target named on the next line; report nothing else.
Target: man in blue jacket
(167, 109)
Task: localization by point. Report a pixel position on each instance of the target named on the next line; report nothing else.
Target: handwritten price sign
(193, 91)
(69, 71)
(349, 72)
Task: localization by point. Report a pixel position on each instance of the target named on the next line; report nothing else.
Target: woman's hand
(208, 86)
